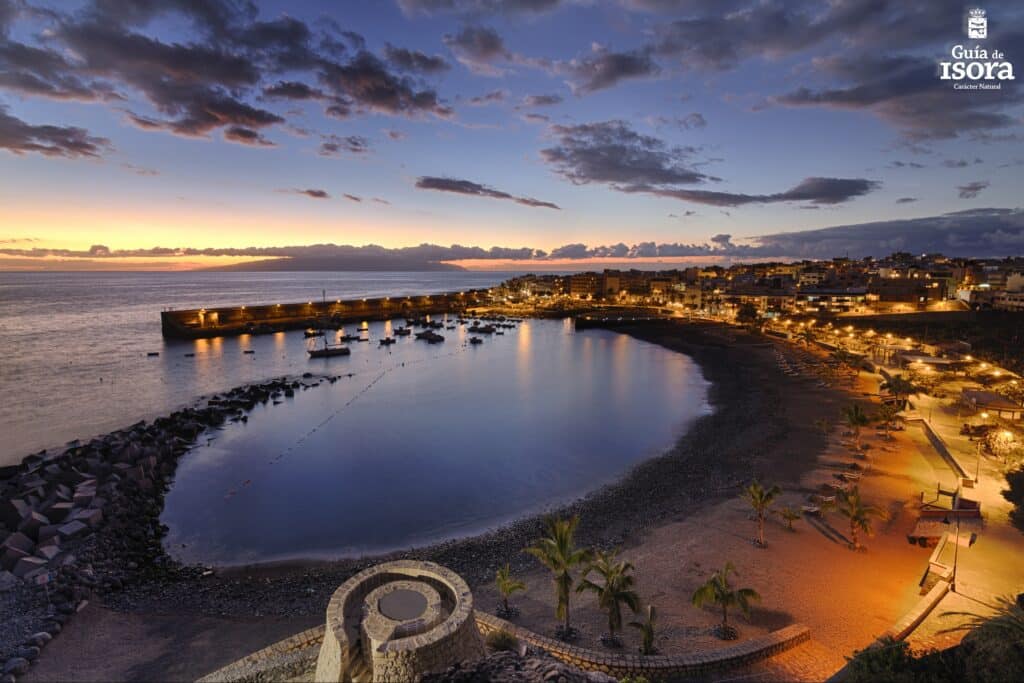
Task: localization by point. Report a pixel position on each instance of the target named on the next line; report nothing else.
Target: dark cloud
(541, 100)
(905, 164)
(395, 134)
(311, 193)
(335, 145)
(478, 48)
(475, 189)
(493, 97)
(816, 191)
(140, 170)
(366, 80)
(20, 137)
(603, 69)
(246, 136)
(414, 60)
(906, 200)
(972, 189)
(352, 197)
(293, 90)
(535, 118)
(612, 152)
(42, 72)
(905, 92)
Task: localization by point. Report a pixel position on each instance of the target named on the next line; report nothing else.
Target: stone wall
(695, 664)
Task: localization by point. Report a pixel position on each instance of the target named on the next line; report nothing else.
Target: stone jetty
(86, 519)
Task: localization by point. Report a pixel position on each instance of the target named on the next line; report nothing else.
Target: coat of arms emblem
(977, 24)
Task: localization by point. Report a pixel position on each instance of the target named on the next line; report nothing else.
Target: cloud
(414, 60)
(905, 92)
(395, 134)
(905, 164)
(533, 117)
(612, 152)
(293, 90)
(352, 197)
(493, 97)
(20, 137)
(541, 100)
(335, 145)
(816, 191)
(311, 193)
(603, 69)
(478, 48)
(972, 189)
(246, 136)
(906, 200)
(468, 187)
(140, 170)
(366, 81)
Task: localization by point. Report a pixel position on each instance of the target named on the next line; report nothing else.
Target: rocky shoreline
(119, 558)
(86, 521)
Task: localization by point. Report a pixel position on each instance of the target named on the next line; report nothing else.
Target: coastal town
(889, 444)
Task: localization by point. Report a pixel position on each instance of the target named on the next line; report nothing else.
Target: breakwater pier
(203, 323)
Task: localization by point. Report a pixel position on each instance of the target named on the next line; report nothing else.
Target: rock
(48, 532)
(39, 639)
(12, 511)
(89, 516)
(31, 653)
(72, 529)
(57, 512)
(19, 541)
(28, 564)
(48, 552)
(32, 523)
(11, 557)
(17, 666)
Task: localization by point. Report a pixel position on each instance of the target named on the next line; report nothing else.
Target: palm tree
(807, 336)
(646, 628)
(900, 387)
(616, 590)
(1006, 619)
(823, 425)
(718, 591)
(558, 552)
(850, 505)
(887, 412)
(761, 500)
(790, 515)
(507, 585)
(855, 418)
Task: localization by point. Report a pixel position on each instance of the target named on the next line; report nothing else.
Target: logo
(977, 24)
(973, 67)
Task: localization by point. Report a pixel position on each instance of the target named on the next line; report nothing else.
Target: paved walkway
(810, 662)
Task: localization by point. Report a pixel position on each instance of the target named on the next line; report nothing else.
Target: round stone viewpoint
(397, 621)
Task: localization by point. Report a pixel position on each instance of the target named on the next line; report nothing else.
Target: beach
(675, 516)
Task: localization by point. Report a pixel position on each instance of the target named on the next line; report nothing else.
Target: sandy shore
(677, 516)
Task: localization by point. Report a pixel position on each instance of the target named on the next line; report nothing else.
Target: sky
(183, 133)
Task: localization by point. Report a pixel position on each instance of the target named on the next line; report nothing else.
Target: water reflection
(424, 442)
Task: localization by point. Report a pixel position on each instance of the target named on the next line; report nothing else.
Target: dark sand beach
(181, 628)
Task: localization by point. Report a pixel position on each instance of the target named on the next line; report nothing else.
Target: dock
(205, 323)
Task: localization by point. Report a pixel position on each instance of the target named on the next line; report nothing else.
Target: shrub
(502, 640)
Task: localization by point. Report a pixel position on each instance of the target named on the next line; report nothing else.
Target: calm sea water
(73, 346)
(421, 443)
(429, 442)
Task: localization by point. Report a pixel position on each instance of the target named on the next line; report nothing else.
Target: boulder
(48, 532)
(72, 529)
(20, 541)
(31, 525)
(11, 556)
(16, 666)
(90, 516)
(28, 564)
(57, 512)
(12, 511)
(48, 552)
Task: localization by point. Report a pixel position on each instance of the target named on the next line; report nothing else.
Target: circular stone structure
(397, 621)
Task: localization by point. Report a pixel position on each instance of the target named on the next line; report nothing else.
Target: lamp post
(956, 546)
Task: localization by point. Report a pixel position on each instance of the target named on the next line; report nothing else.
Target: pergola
(991, 402)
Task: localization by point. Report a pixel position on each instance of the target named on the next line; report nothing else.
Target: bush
(502, 640)
(1015, 494)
